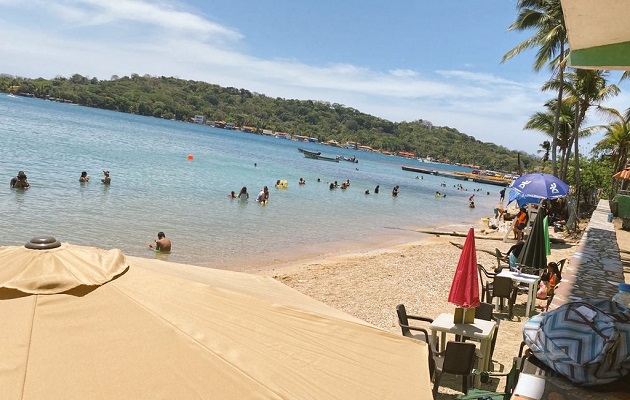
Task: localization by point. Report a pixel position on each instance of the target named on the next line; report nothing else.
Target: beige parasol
(623, 174)
(82, 322)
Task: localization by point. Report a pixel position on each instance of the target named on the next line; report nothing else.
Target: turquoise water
(156, 188)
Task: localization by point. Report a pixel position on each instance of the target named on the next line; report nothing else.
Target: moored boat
(319, 157)
(309, 151)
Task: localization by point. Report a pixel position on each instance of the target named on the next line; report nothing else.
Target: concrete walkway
(595, 269)
(593, 272)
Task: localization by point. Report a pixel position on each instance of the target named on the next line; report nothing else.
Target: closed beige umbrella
(86, 323)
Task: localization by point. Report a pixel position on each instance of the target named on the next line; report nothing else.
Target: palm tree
(544, 122)
(550, 37)
(616, 140)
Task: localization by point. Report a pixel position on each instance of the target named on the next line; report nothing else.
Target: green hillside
(172, 98)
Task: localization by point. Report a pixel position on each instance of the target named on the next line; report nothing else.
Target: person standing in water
(106, 178)
(162, 244)
(243, 195)
(84, 177)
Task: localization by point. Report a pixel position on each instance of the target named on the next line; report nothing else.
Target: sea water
(155, 187)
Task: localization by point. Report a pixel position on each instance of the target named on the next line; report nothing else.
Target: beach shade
(465, 287)
(599, 37)
(540, 186)
(534, 253)
(82, 323)
(521, 199)
(623, 174)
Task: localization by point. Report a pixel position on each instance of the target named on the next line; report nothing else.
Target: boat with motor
(352, 159)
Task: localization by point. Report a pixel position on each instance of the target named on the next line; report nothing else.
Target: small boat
(309, 151)
(320, 157)
(352, 159)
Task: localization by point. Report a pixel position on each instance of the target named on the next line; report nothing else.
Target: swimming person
(377, 188)
(106, 179)
(232, 195)
(162, 244)
(243, 195)
(20, 181)
(84, 177)
(395, 191)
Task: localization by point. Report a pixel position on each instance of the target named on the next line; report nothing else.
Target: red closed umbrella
(465, 287)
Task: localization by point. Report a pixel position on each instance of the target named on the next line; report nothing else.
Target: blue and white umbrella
(540, 186)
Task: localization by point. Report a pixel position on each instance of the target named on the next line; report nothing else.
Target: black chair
(561, 265)
(457, 359)
(503, 288)
(486, 279)
(403, 322)
(485, 311)
(511, 378)
(500, 258)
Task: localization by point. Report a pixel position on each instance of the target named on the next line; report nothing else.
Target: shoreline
(401, 238)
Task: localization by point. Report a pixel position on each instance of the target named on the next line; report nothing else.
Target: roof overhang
(599, 33)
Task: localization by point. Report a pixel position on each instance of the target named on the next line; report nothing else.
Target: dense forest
(172, 98)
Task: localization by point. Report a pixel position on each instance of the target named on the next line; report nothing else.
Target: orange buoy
(190, 157)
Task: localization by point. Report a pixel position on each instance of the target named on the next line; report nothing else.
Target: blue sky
(401, 60)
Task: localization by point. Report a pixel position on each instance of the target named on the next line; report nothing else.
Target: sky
(402, 60)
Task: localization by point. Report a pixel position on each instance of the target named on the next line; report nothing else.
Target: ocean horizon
(155, 187)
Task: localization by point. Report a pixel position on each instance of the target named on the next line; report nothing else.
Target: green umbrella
(546, 231)
(534, 253)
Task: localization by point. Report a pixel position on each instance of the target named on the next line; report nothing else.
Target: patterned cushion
(588, 341)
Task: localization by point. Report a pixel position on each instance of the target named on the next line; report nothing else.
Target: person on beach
(502, 195)
(243, 195)
(548, 281)
(395, 191)
(20, 181)
(84, 177)
(162, 244)
(511, 257)
(520, 222)
(106, 178)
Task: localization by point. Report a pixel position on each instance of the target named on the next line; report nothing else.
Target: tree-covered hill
(172, 98)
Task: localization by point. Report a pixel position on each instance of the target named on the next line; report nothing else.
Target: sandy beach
(370, 284)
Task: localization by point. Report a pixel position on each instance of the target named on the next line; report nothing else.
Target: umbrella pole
(464, 315)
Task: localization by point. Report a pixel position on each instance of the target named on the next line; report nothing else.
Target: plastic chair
(511, 378)
(499, 257)
(457, 359)
(485, 311)
(486, 279)
(503, 288)
(561, 265)
(403, 322)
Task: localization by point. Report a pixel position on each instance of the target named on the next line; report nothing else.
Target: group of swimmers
(107, 179)
(21, 181)
(243, 195)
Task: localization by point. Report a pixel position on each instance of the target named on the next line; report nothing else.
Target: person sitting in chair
(548, 281)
